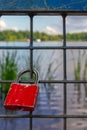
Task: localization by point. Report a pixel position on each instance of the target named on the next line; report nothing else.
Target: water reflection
(50, 102)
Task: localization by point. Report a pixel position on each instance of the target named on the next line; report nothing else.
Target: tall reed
(8, 69)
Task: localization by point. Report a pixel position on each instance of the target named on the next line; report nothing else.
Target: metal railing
(64, 81)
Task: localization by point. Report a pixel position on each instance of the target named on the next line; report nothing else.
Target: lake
(49, 64)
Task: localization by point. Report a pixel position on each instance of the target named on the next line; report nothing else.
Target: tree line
(10, 35)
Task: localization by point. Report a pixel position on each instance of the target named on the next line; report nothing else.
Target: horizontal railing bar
(52, 12)
(15, 116)
(15, 47)
(46, 81)
(42, 47)
(59, 116)
(7, 81)
(15, 81)
(59, 47)
(43, 116)
(63, 81)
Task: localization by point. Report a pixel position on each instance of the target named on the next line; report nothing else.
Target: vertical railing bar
(64, 70)
(31, 58)
(31, 45)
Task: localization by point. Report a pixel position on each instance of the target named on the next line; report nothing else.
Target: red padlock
(22, 96)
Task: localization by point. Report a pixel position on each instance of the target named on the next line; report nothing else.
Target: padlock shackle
(25, 71)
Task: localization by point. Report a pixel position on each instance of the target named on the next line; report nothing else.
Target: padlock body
(21, 97)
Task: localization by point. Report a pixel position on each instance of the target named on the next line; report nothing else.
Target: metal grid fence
(64, 116)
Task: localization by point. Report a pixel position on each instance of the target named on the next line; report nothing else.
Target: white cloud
(51, 30)
(15, 29)
(2, 25)
(76, 24)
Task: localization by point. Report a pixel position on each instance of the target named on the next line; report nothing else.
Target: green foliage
(85, 70)
(77, 70)
(77, 36)
(9, 35)
(8, 68)
(80, 70)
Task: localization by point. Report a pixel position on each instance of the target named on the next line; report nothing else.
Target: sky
(47, 24)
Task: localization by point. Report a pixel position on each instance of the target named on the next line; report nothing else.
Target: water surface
(50, 100)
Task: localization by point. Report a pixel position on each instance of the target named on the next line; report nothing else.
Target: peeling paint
(70, 5)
